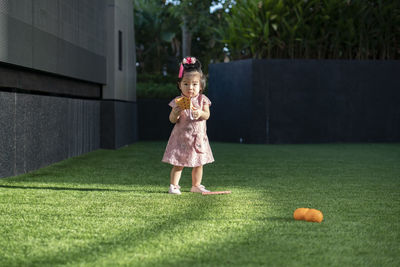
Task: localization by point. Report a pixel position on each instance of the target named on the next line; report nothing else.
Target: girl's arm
(205, 113)
(174, 115)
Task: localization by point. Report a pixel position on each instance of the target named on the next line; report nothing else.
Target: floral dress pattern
(188, 144)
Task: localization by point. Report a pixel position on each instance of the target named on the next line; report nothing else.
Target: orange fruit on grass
(300, 213)
(314, 215)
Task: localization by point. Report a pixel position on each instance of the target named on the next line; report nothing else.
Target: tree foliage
(340, 29)
(159, 34)
(156, 32)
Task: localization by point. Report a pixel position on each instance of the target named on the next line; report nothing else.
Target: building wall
(118, 107)
(39, 130)
(63, 37)
(121, 85)
(58, 75)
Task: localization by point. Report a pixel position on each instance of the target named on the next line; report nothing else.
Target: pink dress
(188, 144)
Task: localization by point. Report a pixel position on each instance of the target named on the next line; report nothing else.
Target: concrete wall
(14, 78)
(119, 94)
(38, 130)
(57, 63)
(122, 83)
(63, 37)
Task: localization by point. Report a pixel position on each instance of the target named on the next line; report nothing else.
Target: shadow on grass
(83, 189)
(129, 240)
(241, 244)
(232, 248)
(129, 168)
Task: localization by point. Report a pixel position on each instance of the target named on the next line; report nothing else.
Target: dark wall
(118, 123)
(231, 101)
(153, 119)
(39, 130)
(29, 80)
(47, 118)
(305, 101)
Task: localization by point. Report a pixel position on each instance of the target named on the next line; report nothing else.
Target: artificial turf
(111, 208)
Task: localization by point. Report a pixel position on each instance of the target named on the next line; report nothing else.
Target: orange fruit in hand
(300, 213)
(183, 102)
(313, 215)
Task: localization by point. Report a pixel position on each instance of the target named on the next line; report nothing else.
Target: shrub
(156, 78)
(156, 90)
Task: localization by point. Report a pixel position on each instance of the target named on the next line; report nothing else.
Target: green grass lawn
(109, 208)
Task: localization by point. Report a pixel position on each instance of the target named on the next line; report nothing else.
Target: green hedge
(156, 90)
(155, 78)
(146, 90)
(150, 85)
(156, 86)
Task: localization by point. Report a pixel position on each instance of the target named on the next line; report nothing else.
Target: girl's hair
(187, 65)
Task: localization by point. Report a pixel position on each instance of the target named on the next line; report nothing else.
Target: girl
(188, 144)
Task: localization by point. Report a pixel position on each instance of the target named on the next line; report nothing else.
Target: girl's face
(190, 84)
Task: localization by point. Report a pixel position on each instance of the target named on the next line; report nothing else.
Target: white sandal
(174, 189)
(199, 189)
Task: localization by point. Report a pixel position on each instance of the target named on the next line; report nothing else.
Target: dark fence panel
(118, 123)
(305, 101)
(153, 119)
(231, 101)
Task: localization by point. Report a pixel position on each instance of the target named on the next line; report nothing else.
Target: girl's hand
(174, 115)
(177, 111)
(196, 113)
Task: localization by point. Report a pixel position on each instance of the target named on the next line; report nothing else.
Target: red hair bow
(187, 60)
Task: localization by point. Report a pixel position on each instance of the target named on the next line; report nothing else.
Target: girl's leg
(197, 175)
(176, 173)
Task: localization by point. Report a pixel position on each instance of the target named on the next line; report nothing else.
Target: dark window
(120, 50)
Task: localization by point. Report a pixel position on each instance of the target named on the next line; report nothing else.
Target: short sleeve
(205, 100)
(172, 104)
